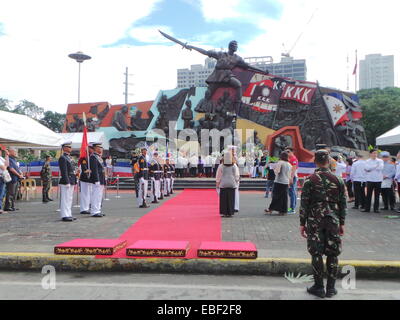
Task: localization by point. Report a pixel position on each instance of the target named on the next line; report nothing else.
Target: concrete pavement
(370, 238)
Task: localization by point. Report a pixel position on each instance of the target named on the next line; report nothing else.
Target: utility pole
(126, 83)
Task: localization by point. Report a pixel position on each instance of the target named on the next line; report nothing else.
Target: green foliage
(53, 120)
(381, 111)
(4, 104)
(26, 156)
(29, 109)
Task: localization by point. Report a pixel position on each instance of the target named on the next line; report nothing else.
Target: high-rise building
(287, 68)
(197, 74)
(376, 71)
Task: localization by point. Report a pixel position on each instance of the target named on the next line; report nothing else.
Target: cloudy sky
(37, 36)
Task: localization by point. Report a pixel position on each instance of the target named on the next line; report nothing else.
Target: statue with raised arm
(222, 74)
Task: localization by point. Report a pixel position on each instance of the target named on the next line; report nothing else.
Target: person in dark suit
(66, 183)
(97, 179)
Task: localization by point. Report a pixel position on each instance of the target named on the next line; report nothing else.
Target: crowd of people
(206, 166)
(367, 180)
(375, 178)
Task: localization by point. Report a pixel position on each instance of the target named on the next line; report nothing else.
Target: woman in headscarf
(227, 180)
(281, 186)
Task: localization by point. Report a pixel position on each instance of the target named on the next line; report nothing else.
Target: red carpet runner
(192, 215)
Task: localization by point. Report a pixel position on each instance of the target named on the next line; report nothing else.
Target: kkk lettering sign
(301, 94)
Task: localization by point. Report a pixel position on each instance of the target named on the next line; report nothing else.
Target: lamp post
(79, 57)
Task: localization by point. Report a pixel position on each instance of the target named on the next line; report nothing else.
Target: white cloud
(336, 31)
(220, 10)
(150, 34)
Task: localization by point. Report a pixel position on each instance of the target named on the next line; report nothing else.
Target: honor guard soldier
(45, 175)
(167, 178)
(143, 179)
(135, 170)
(322, 218)
(85, 184)
(66, 183)
(155, 178)
(172, 171)
(97, 179)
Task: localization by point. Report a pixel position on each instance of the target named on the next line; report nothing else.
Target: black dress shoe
(50, 199)
(384, 208)
(365, 210)
(97, 215)
(84, 212)
(67, 219)
(377, 211)
(45, 201)
(154, 202)
(9, 209)
(317, 291)
(355, 208)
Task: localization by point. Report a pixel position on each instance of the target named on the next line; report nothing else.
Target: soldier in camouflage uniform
(322, 217)
(45, 175)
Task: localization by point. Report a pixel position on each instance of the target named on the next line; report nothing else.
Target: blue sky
(186, 20)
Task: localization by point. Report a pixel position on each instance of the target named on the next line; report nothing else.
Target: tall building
(376, 71)
(287, 68)
(197, 74)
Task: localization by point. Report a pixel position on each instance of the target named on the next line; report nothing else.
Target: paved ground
(36, 228)
(166, 287)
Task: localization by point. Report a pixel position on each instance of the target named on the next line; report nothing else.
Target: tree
(381, 111)
(29, 109)
(53, 120)
(4, 104)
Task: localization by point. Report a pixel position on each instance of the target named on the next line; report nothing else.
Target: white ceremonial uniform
(67, 195)
(86, 192)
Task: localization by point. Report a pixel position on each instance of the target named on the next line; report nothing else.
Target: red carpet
(192, 216)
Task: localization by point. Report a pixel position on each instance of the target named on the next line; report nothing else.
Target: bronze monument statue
(223, 76)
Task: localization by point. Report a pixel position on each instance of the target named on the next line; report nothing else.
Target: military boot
(318, 288)
(330, 288)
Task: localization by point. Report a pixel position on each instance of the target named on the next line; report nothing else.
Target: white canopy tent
(76, 139)
(24, 132)
(391, 137)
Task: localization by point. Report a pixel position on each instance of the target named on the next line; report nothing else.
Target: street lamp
(79, 57)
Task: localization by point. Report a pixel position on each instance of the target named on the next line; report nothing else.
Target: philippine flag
(337, 110)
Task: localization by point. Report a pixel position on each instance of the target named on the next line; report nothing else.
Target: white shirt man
(340, 168)
(357, 175)
(374, 176)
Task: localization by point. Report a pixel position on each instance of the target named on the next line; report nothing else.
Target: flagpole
(356, 73)
(87, 146)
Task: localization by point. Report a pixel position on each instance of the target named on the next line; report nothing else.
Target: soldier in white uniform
(98, 180)
(143, 179)
(67, 182)
(155, 173)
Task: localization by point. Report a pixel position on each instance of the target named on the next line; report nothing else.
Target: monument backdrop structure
(281, 111)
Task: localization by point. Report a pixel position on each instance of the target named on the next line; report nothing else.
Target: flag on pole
(337, 110)
(356, 65)
(84, 147)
